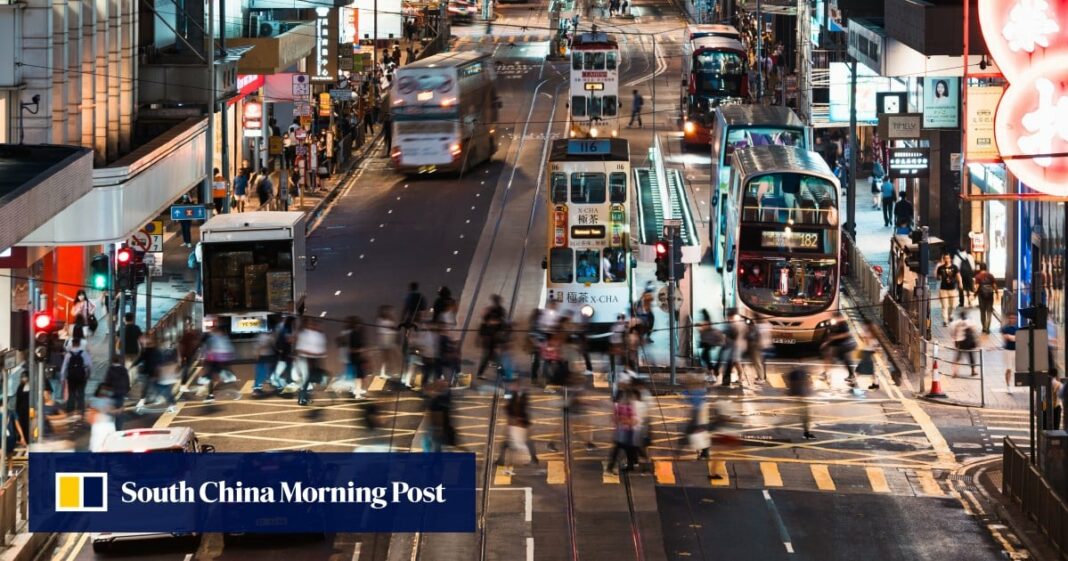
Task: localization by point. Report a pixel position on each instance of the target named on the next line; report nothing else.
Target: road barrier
(1023, 484)
(13, 505)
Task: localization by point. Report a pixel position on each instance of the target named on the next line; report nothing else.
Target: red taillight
(395, 153)
(455, 149)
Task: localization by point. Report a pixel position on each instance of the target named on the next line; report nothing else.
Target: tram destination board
(589, 147)
(587, 232)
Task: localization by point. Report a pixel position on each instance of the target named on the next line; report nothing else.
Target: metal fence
(13, 505)
(170, 327)
(1024, 485)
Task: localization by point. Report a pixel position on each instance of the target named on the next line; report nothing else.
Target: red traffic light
(661, 248)
(42, 321)
(124, 256)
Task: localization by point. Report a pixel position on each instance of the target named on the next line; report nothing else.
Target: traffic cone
(936, 385)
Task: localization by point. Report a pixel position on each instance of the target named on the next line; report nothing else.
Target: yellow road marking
(772, 477)
(877, 478)
(502, 477)
(822, 474)
(608, 477)
(775, 380)
(934, 436)
(557, 475)
(247, 388)
(600, 380)
(377, 384)
(165, 419)
(665, 473)
(928, 484)
(719, 467)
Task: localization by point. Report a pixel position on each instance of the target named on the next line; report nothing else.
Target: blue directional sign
(589, 147)
(189, 212)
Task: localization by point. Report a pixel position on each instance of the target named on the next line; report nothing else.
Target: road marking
(776, 381)
(377, 385)
(528, 503)
(337, 293)
(322, 314)
(783, 534)
(350, 272)
(770, 471)
(247, 388)
(165, 419)
(608, 477)
(877, 478)
(557, 474)
(719, 467)
(665, 472)
(502, 477)
(356, 552)
(530, 549)
(941, 448)
(822, 475)
(928, 484)
(188, 557)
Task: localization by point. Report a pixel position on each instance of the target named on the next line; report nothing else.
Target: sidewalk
(873, 241)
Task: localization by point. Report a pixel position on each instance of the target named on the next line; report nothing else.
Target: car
(151, 440)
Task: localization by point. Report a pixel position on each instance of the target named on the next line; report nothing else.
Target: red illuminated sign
(1028, 39)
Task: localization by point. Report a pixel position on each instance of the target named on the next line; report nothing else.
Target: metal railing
(13, 504)
(1023, 484)
(170, 327)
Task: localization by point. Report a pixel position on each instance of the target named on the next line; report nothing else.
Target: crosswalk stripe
(502, 477)
(607, 477)
(772, 477)
(822, 474)
(928, 484)
(776, 381)
(557, 475)
(247, 388)
(665, 472)
(877, 478)
(377, 385)
(600, 380)
(719, 467)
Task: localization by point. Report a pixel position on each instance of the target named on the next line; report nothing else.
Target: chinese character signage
(908, 163)
(982, 104)
(941, 102)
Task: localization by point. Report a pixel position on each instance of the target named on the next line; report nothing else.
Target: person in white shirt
(311, 348)
(389, 351)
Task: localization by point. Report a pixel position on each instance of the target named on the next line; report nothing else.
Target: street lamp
(35, 101)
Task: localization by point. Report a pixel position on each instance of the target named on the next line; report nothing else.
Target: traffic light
(124, 258)
(99, 269)
(140, 271)
(44, 333)
(662, 261)
(676, 258)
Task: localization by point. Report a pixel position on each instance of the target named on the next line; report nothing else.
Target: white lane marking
(472, 207)
(789, 547)
(337, 293)
(530, 549)
(461, 236)
(381, 225)
(477, 195)
(448, 270)
(372, 240)
(456, 252)
(529, 503)
(322, 314)
(468, 221)
(390, 211)
(350, 272)
(361, 257)
(356, 552)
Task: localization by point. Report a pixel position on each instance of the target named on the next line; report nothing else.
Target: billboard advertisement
(869, 84)
(941, 102)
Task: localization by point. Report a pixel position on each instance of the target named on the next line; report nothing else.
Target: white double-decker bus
(783, 236)
(444, 110)
(594, 85)
(589, 233)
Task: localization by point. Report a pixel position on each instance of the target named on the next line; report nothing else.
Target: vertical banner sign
(1029, 42)
(982, 104)
(325, 44)
(324, 104)
(941, 102)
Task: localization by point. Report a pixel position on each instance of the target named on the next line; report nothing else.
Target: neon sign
(1028, 39)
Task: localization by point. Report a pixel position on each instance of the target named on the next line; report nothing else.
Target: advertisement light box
(868, 85)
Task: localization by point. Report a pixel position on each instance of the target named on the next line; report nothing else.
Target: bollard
(936, 385)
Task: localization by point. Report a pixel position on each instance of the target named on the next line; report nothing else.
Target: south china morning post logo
(81, 492)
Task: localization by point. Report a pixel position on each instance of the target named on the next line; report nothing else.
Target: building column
(74, 68)
(36, 73)
(100, 77)
(115, 76)
(128, 62)
(59, 72)
(88, 62)
(5, 308)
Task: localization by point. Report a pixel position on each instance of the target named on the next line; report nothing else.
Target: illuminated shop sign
(906, 163)
(1028, 40)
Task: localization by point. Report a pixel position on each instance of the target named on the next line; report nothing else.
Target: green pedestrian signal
(100, 282)
(99, 268)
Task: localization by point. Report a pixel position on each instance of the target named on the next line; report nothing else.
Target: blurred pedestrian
(85, 310)
(168, 378)
(131, 338)
(76, 370)
(117, 381)
(696, 396)
(355, 347)
(283, 349)
(265, 361)
(147, 365)
(310, 349)
(494, 324)
(868, 345)
(965, 340)
(799, 384)
(387, 338)
(709, 339)
(188, 344)
(733, 346)
(517, 408)
(757, 338)
(623, 432)
(425, 342)
(840, 345)
(439, 413)
(986, 289)
(218, 353)
(1008, 334)
(617, 340)
(966, 264)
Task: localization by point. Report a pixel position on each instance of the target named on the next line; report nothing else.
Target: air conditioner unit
(269, 29)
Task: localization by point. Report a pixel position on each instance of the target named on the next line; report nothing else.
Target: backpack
(970, 340)
(76, 368)
(965, 268)
(986, 287)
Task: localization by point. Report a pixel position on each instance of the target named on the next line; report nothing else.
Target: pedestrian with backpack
(710, 339)
(76, 370)
(966, 263)
(986, 289)
(965, 339)
(147, 363)
(117, 380)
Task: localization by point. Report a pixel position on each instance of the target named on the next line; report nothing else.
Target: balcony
(276, 53)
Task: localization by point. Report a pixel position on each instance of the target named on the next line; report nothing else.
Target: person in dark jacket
(117, 382)
(147, 363)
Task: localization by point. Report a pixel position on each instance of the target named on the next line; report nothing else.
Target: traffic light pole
(671, 307)
(31, 356)
(112, 301)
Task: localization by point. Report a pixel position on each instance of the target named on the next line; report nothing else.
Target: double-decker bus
(714, 73)
(699, 30)
(444, 110)
(589, 235)
(783, 236)
(742, 126)
(594, 85)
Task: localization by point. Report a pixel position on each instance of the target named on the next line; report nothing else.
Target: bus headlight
(455, 149)
(615, 133)
(586, 311)
(593, 132)
(689, 127)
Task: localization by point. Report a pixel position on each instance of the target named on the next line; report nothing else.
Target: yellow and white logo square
(81, 492)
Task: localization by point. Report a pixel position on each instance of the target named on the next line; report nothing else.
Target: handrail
(13, 505)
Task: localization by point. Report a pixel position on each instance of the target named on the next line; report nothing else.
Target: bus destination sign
(589, 147)
(778, 239)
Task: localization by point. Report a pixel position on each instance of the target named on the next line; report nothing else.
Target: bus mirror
(312, 262)
(544, 263)
(730, 264)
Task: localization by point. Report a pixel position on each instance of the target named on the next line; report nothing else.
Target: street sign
(154, 263)
(140, 240)
(301, 134)
(155, 231)
(324, 104)
(662, 299)
(189, 212)
(274, 145)
(301, 85)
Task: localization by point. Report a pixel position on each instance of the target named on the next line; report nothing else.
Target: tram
(594, 100)
(588, 258)
(741, 126)
(783, 236)
(714, 73)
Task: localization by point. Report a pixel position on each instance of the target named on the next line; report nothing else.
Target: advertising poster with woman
(941, 102)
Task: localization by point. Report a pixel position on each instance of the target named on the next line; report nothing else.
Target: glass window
(578, 106)
(595, 61)
(719, 62)
(589, 266)
(614, 265)
(611, 60)
(790, 197)
(611, 106)
(561, 265)
(587, 188)
(558, 186)
(576, 60)
(595, 106)
(617, 187)
(782, 286)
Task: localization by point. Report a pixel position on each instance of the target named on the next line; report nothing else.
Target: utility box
(1054, 454)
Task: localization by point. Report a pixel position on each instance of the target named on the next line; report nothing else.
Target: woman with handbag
(85, 308)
